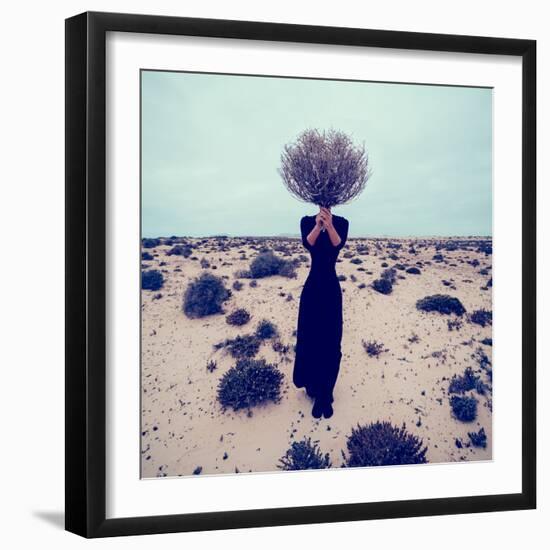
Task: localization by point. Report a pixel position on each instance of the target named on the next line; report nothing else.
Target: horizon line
(297, 236)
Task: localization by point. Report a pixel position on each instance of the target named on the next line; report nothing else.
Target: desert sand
(184, 428)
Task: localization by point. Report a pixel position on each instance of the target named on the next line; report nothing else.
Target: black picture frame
(86, 274)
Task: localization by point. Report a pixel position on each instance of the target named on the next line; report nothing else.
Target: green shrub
(204, 296)
(382, 444)
(441, 303)
(304, 455)
(249, 383)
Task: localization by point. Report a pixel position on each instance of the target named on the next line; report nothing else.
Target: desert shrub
(373, 348)
(384, 286)
(438, 257)
(249, 383)
(478, 439)
(454, 324)
(267, 264)
(241, 346)
(205, 264)
(356, 261)
(266, 329)
(482, 317)
(152, 280)
(342, 278)
(413, 271)
(237, 285)
(441, 303)
(243, 274)
(150, 243)
(464, 408)
(482, 359)
(324, 168)
(238, 318)
(486, 248)
(382, 444)
(466, 382)
(389, 274)
(287, 269)
(253, 283)
(211, 366)
(279, 347)
(180, 250)
(487, 341)
(304, 455)
(204, 296)
(146, 256)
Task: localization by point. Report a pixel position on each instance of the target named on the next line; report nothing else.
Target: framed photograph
(300, 271)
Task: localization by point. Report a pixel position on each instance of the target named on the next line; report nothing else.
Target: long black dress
(319, 331)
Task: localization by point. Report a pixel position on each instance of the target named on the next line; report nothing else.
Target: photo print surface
(316, 274)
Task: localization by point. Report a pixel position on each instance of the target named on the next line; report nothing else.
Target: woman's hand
(324, 218)
(319, 220)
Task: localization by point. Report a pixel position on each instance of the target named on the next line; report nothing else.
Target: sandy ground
(183, 424)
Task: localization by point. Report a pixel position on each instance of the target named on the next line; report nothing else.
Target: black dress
(319, 331)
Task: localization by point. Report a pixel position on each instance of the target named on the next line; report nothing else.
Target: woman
(319, 330)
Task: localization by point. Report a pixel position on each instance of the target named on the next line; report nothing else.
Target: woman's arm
(313, 234)
(326, 218)
(309, 236)
(333, 235)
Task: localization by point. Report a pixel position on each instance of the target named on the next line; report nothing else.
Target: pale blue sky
(211, 146)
